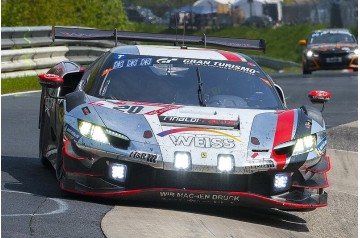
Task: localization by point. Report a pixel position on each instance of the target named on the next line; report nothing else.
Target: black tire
(59, 159)
(44, 161)
(306, 71)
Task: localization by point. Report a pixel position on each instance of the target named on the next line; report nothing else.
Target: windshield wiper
(200, 89)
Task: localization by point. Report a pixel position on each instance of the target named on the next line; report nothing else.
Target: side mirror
(302, 42)
(50, 80)
(319, 96)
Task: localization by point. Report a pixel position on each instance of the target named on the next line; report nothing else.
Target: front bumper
(89, 175)
(331, 62)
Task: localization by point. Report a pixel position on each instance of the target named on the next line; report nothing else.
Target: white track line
(61, 204)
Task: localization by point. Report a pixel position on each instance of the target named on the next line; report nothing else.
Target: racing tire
(306, 71)
(44, 161)
(59, 168)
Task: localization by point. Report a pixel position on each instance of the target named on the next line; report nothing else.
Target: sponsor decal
(165, 60)
(106, 71)
(308, 124)
(321, 146)
(129, 63)
(86, 110)
(189, 196)
(256, 165)
(152, 158)
(223, 65)
(119, 57)
(202, 141)
(71, 133)
(197, 121)
(136, 107)
(180, 130)
(203, 155)
(129, 109)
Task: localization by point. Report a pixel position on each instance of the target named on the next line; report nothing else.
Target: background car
(329, 49)
(178, 123)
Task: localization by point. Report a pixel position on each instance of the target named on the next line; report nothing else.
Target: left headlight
(304, 145)
(93, 132)
(296, 147)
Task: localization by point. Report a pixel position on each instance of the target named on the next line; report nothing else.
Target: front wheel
(59, 167)
(306, 70)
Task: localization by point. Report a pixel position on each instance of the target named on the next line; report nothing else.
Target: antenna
(176, 27)
(184, 20)
(116, 37)
(204, 39)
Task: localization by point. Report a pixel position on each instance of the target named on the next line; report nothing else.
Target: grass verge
(19, 84)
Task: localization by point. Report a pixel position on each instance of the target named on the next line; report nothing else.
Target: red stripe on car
(230, 56)
(283, 133)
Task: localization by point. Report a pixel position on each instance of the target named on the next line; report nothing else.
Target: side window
(92, 73)
(69, 66)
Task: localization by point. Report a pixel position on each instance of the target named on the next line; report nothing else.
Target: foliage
(282, 41)
(19, 84)
(106, 14)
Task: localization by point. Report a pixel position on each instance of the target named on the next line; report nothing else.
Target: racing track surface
(32, 203)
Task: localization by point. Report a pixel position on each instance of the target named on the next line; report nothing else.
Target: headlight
(296, 147)
(225, 163)
(305, 144)
(182, 160)
(92, 131)
(309, 53)
(356, 51)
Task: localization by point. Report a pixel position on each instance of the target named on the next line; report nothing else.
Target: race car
(329, 49)
(179, 123)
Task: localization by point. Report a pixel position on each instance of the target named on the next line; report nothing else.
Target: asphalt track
(33, 205)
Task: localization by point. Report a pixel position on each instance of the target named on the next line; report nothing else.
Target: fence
(28, 51)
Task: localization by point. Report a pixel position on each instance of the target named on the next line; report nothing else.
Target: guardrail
(28, 51)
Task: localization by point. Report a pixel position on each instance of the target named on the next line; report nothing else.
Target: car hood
(204, 132)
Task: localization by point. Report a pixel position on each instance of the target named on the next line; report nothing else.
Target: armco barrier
(20, 58)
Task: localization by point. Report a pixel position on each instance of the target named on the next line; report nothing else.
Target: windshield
(331, 38)
(180, 81)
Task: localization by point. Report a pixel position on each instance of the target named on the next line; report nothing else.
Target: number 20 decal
(129, 109)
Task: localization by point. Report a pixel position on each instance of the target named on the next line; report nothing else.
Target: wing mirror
(50, 80)
(302, 42)
(319, 96)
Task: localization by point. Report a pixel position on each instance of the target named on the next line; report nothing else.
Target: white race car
(178, 123)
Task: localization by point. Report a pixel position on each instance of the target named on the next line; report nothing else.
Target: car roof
(181, 52)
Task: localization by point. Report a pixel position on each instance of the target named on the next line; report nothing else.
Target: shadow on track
(33, 178)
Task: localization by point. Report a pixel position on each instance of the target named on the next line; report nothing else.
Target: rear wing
(77, 33)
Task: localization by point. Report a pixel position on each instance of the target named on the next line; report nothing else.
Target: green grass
(19, 84)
